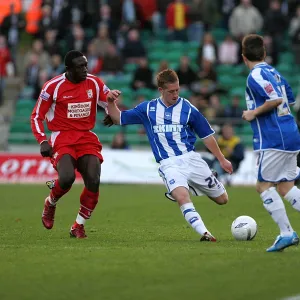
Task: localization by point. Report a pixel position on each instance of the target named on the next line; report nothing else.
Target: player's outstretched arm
(113, 110)
(212, 145)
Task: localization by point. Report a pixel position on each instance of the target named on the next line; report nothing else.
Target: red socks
(57, 192)
(88, 202)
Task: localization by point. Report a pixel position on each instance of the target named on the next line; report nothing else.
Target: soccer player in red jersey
(69, 102)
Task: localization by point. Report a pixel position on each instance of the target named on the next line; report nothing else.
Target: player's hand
(107, 121)
(248, 115)
(113, 95)
(226, 165)
(46, 150)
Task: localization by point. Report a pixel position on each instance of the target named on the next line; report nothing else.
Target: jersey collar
(260, 64)
(162, 103)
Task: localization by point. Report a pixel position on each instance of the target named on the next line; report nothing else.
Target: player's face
(170, 93)
(79, 69)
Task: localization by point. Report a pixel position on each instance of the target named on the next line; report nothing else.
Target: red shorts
(74, 143)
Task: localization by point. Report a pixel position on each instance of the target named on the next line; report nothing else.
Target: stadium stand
(75, 25)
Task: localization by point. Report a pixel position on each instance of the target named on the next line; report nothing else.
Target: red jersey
(68, 106)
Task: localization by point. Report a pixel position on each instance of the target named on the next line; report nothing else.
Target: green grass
(139, 247)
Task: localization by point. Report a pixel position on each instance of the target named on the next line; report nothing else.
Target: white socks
(193, 218)
(293, 196)
(80, 220)
(274, 205)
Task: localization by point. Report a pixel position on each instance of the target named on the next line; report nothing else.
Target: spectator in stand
(5, 57)
(38, 50)
(32, 70)
(42, 78)
(105, 19)
(275, 26)
(227, 7)
(77, 40)
(160, 16)
(208, 50)
(119, 141)
(112, 62)
(245, 19)
(163, 65)
(46, 22)
(214, 110)
(234, 111)
(294, 33)
(129, 12)
(143, 76)
(94, 61)
(102, 41)
(208, 79)
(5, 61)
(295, 23)
(57, 67)
(177, 20)
(195, 16)
(51, 44)
(134, 49)
(233, 150)
(10, 27)
(210, 13)
(228, 51)
(271, 52)
(186, 75)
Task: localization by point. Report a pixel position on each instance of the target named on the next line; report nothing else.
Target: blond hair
(166, 76)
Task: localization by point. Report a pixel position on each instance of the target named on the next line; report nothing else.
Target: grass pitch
(140, 247)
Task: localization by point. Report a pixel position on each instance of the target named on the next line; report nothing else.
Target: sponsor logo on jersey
(152, 108)
(44, 95)
(172, 181)
(89, 93)
(269, 88)
(167, 128)
(79, 110)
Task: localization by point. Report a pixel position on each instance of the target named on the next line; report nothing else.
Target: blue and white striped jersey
(277, 129)
(170, 130)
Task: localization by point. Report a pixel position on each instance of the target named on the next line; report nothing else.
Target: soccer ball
(244, 228)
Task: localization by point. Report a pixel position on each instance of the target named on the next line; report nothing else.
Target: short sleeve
(102, 90)
(135, 115)
(263, 85)
(200, 125)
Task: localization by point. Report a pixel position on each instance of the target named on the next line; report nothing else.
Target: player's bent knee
(284, 187)
(181, 195)
(221, 200)
(93, 182)
(66, 179)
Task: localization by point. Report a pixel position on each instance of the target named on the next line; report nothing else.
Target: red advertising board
(26, 168)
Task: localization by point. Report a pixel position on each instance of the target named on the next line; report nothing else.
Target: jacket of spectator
(244, 20)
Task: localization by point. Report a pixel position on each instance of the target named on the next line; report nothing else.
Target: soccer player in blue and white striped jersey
(171, 124)
(276, 138)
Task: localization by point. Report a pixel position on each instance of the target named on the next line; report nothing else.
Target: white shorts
(277, 166)
(192, 172)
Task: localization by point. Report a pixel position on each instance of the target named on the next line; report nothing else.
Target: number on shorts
(211, 181)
